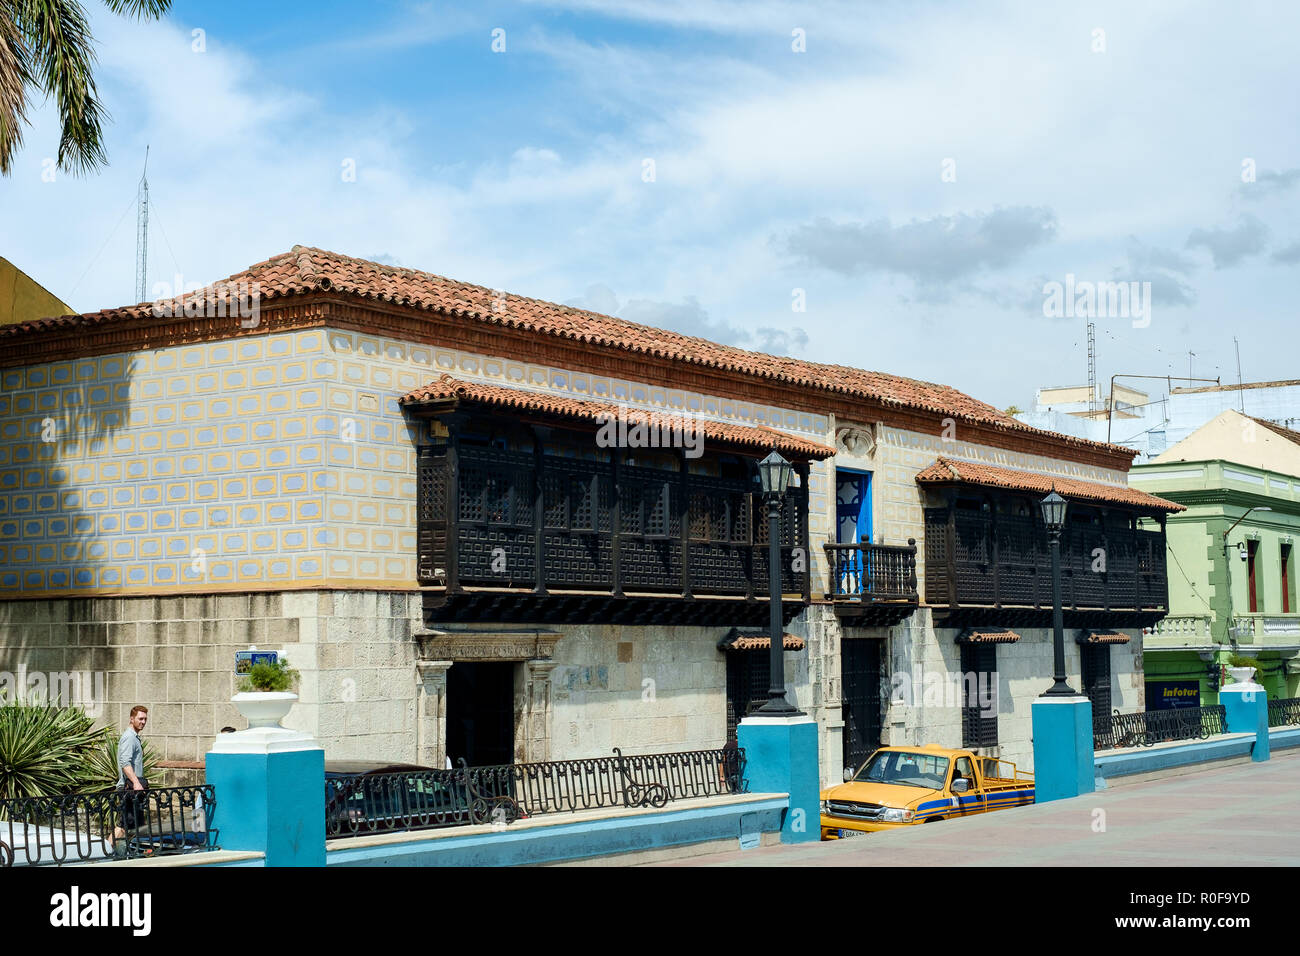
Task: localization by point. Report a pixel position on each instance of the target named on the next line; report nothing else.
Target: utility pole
(142, 232)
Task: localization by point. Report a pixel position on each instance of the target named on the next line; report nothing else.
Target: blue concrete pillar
(270, 789)
(781, 757)
(1063, 754)
(1246, 709)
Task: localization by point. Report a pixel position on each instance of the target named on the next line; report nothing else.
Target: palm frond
(15, 76)
(58, 36)
(139, 8)
(47, 45)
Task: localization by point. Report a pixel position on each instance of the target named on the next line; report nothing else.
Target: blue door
(853, 525)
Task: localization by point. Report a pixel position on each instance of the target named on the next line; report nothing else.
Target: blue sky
(915, 175)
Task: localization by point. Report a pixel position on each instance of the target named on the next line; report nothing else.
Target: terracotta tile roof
(1102, 637)
(1287, 433)
(737, 640)
(304, 269)
(758, 437)
(1188, 390)
(987, 635)
(948, 470)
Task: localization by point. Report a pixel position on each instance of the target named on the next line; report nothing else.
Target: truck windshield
(908, 769)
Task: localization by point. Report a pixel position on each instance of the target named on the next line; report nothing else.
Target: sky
(894, 186)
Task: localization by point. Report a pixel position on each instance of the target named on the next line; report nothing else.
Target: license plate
(849, 833)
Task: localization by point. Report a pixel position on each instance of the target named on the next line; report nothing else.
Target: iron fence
(78, 828)
(1146, 729)
(1284, 712)
(429, 799)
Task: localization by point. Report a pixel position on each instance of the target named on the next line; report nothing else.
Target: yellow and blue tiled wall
(272, 461)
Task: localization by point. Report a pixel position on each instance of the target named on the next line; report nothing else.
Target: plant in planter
(269, 678)
(264, 698)
(1243, 668)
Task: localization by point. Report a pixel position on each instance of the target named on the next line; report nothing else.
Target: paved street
(1234, 816)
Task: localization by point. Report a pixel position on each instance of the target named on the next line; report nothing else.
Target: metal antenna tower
(1241, 392)
(142, 232)
(1092, 367)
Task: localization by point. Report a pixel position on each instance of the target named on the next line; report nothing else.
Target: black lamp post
(1054, 517)
(774, 475)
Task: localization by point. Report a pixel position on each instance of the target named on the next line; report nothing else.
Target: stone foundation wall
(643, 689)
(924, 704)
(638, 688)
(176, 656)
(646, 690)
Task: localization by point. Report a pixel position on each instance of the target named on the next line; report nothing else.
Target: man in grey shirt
(130, 757)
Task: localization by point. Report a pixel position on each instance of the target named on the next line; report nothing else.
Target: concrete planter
(1242, 675)
(264, 708)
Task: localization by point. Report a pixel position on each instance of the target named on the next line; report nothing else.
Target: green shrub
(46, 750)
(1241, 660)
(269, 677)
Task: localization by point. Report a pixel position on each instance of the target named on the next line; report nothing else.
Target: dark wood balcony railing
(490, 518)
(872, 572)
(1112, 571)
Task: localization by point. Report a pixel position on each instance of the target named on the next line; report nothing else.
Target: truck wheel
(934, 819)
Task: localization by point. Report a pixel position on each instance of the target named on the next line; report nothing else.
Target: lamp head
(774, 474)
(1053, 511)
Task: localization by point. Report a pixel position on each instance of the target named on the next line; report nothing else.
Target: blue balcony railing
(873, 572)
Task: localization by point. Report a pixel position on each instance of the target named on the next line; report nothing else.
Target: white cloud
(749, 139)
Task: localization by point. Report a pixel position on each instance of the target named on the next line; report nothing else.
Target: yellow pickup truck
(901, 786)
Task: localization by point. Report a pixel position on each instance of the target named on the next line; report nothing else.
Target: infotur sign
(1173, 695)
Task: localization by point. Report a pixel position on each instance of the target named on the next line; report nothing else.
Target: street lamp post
(774, 476)
(1054, 517)
(1227, 569)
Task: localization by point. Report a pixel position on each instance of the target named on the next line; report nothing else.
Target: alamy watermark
(922, 688)
(632, 428)
(84, 689)
(1098, 300)
(241, 299)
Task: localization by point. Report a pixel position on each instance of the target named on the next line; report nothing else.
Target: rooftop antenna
(142, 231)
(1092, 369)
(1241, 391)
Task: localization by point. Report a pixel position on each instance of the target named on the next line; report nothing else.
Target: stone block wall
(926, 688)
(359, 697)
(646, 690)
(176, 656)
(643, 689)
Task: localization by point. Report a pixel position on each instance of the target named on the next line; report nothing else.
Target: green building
(1232, 560)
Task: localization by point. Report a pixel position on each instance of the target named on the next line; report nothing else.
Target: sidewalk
(1231, 816)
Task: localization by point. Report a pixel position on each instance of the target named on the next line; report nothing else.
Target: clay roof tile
(951, 471)
(304, 268)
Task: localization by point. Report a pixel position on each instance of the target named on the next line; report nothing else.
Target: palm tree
(46, 48)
